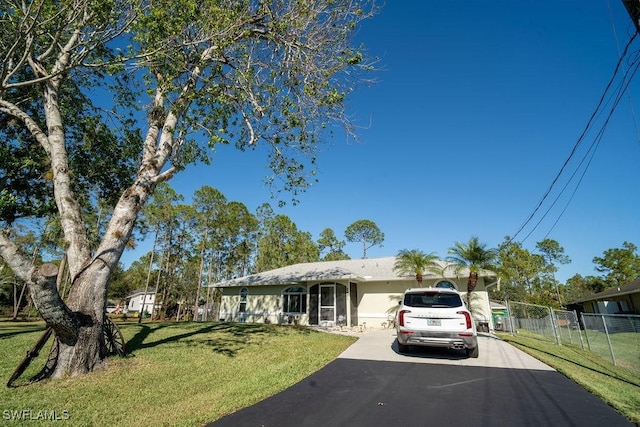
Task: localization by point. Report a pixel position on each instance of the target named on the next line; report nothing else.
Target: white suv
(435, 317)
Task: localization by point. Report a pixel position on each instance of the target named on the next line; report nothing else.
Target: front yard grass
(176, 374)
(192, 373)
(618, 386)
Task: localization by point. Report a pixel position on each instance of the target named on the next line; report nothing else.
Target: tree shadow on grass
(230, 337)
(602, 371)
(19, 330)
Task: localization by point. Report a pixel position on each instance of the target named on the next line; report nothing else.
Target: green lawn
(192, 373)
(616, 385)
(625, 345)
(177, 374)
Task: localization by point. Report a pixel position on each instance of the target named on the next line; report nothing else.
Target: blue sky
(477, 106)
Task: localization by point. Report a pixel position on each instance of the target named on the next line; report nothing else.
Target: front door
(328, 303)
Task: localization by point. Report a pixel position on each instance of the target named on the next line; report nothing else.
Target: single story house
(357, 292)
(141, 302)
(623, 299)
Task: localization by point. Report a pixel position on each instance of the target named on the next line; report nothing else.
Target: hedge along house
(359, 292)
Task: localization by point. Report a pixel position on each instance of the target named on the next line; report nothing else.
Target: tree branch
(49, 304)
(35, 130)
(42, 285)
(10, 253)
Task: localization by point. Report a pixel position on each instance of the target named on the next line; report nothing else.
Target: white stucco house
(354, 292)
(139, 301)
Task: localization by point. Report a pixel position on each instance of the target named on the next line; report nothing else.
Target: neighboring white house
(138, 301)
(349, 292)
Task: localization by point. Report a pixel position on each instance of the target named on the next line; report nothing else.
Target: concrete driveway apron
(494, 353)
(370, 384)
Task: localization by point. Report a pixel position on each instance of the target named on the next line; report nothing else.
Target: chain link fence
(612, 336)
(535, 319)
(567, 327)
(615, 337)
(542, 322)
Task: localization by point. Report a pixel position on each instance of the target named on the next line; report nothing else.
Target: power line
(580, 138)
(624, 85)
(632, 12)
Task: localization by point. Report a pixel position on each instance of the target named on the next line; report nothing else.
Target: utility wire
(633, 117)
(580, 138)
(594, 146)
(622, 89)
(635, 123)
(615, 36)
(592, 149)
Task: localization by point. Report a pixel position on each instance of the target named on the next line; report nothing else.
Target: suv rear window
(432, 299)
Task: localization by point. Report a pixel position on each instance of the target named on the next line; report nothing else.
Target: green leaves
(619, 265)
(329, 241)
(366, 232)
(473, 255)
(282, 244)
(78, 77)
(267, 73)
(416, 262)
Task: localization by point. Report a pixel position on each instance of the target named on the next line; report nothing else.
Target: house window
(294, 300)
(446, 284)
(243, 300)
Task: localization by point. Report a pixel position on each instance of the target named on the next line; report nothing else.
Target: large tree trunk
(87, 354)
(78, 324)
(88, 296)
(88, 301)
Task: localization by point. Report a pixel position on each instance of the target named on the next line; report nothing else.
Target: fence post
(606, 331)
(575, 316)
(569, 330)
(510, 317)
(586, 331)
(554, 326)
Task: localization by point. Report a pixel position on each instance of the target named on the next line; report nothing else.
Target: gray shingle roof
(615, 291)
(362, 270)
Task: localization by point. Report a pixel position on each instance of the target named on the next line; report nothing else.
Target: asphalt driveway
(370, 384)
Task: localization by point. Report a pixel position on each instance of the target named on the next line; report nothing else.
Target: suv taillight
(467, 317)
(401, 316)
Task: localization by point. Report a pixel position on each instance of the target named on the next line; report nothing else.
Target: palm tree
(416, 262)
(472, 255)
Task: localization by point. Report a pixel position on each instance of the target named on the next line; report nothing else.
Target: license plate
(433, 322)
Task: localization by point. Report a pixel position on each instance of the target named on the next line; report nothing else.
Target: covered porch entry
(333, 304)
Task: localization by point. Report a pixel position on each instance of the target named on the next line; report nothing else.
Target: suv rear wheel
(402, 348)
(473, 352)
